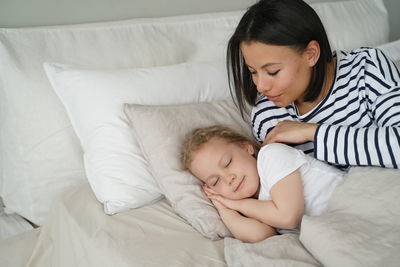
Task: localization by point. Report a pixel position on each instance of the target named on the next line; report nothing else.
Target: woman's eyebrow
(265, 65)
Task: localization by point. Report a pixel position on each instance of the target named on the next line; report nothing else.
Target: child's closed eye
(215, 182)
(228, 163)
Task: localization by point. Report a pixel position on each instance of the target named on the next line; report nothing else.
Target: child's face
(230, 169)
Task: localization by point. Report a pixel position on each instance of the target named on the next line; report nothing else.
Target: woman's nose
(262, 84)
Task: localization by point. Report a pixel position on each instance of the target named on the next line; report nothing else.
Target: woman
(342, 108)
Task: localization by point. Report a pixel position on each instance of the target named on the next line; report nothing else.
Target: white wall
(19, 13)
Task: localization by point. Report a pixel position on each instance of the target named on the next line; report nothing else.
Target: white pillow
(160, 131)
(94, 99)
(351, 24)
(392, 50)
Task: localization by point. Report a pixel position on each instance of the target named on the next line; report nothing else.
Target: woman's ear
(312, 53)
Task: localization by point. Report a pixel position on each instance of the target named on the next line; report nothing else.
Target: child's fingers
(228, 203)
(208, 190)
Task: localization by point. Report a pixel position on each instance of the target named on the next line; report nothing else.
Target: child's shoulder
(278, 150)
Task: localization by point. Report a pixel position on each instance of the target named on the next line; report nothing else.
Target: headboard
(55, 12)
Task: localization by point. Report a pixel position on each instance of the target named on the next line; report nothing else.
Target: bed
(92, 117)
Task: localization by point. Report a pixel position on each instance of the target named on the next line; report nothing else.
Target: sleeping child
(257, 191)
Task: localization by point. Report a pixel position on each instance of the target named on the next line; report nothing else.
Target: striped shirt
(359, 120)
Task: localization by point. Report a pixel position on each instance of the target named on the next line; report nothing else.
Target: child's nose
(231, 178)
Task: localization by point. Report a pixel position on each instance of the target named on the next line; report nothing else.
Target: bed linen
(41, 155)
(12, 224)
(83, 235)
(361, 227)
(41, 158)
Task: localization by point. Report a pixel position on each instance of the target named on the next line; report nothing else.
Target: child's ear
(248, 147)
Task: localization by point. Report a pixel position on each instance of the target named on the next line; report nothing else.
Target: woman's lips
(239, 185)
(273, 98)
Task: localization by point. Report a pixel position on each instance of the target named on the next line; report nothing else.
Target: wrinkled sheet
(77, 233)
(361, 227)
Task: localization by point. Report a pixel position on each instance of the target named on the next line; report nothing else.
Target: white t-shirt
(276, 161)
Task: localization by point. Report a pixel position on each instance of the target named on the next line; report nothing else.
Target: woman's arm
(366, 128)
(285, 210)
(248, 230)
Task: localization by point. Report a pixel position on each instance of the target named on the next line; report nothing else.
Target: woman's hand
(291, 132)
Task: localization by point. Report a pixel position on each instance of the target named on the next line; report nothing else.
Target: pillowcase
(351, 24)
(114, 165)
(392, 50)
(160, 131)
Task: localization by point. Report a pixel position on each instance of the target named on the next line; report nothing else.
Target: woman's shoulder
(369, 54)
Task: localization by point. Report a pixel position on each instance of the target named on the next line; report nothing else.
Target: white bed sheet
(12, 224)
(78, 233)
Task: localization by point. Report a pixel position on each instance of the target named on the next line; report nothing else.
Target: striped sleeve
(346, 145)
(376, 144)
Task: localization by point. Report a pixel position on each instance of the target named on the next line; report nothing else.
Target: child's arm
(245, 229)
(285, 210)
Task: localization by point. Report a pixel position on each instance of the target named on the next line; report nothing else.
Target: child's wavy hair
(196, 138)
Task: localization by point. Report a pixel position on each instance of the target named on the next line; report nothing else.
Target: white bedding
(361, 227)
(77, 232)
(41, 156)
(12, 224)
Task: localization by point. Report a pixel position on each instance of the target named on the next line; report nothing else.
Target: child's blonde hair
(200, 136)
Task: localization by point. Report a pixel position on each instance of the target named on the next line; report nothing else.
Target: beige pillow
(160, 131)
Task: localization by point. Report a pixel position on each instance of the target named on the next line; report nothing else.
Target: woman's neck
(304, 107)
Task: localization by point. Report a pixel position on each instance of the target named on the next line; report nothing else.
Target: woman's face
(230, 169)
(280, 73)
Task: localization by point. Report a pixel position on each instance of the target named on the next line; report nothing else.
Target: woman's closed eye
(270, 73)
(273, 73)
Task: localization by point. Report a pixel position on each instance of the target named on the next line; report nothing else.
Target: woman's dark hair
(276, 22)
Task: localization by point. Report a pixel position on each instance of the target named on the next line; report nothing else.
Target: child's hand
(218, 200)
(209, 192)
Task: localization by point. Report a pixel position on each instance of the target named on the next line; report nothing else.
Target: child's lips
(239, 185)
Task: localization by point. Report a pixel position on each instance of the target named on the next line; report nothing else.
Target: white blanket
(78, 233)
(361, 227)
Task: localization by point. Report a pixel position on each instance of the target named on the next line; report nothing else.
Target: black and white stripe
(359, 119)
